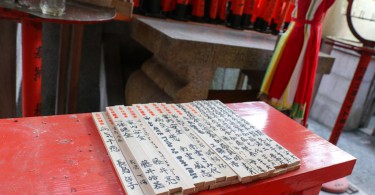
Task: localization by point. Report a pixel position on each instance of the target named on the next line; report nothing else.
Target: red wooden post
(350, 96)
(31, 68)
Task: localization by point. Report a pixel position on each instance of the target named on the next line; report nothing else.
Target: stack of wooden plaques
(186, 148)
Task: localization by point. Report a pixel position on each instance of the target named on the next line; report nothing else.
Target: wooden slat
(62, 79)
(127, 177)
(208, 166)
(242, 127)
(229, 173)
(76, 46)
(135, 130)
(245, 172)
(172, 175)
(137, 151)
(270, 150)
(201, 144)
(8, 34)
(131, 161)
(173, 147)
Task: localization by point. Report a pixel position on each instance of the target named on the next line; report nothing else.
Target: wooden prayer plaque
(185, 148)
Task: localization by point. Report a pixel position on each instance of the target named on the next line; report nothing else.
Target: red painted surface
(198, 8)
(64, 154)
(269, 8)
(237, 7)
(31, 68)
(277, 9)
(222, 12)
(214, 8)
(287, 4)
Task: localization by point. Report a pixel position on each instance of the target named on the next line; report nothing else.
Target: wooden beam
(8, 35)
(62, 78)
(76, 47)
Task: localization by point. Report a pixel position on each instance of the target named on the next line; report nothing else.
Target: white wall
(336, 24)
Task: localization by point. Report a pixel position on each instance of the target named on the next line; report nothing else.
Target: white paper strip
(169, 134)
(171, 175)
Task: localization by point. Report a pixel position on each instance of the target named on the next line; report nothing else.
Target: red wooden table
(64, 154)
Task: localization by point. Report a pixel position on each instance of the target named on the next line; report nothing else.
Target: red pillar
(31, 68)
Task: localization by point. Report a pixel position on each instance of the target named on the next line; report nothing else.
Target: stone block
(327, 85)
(340, 89)
(362, 94)
(141, 89)
(186, 44)
(325, 110)
(190, 53)
(345, 64)
(370, 72)
(334, 86)
(354, 118)
(164, 79)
